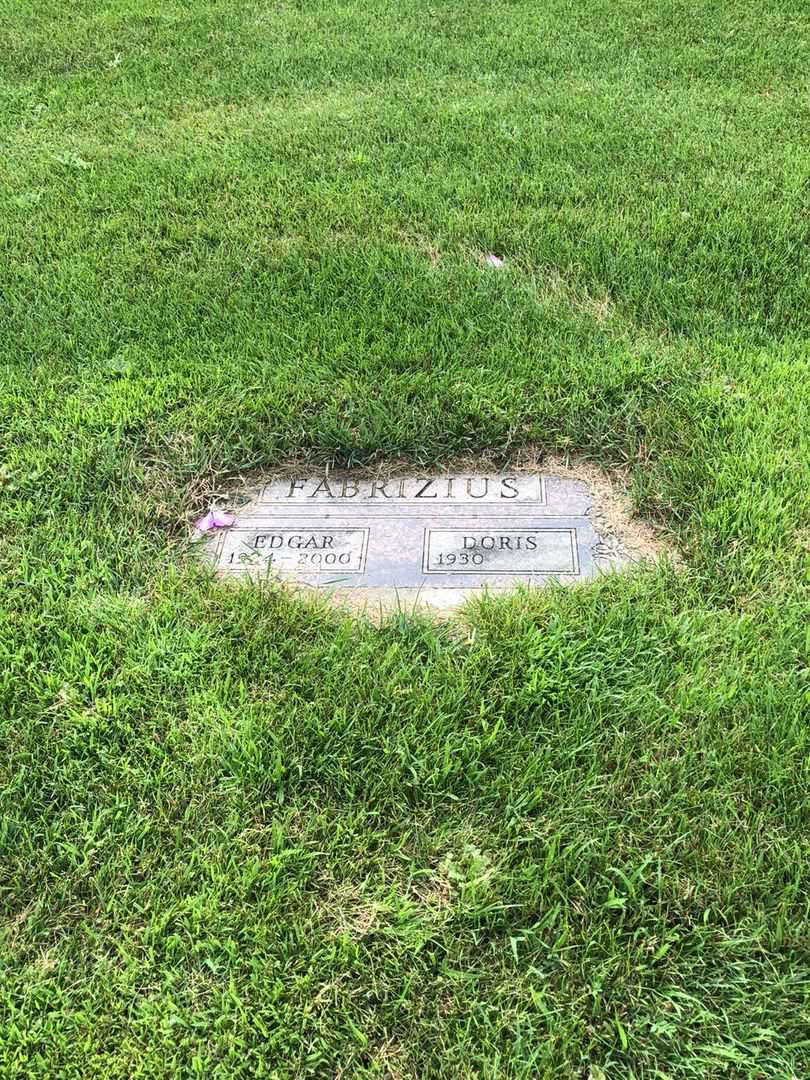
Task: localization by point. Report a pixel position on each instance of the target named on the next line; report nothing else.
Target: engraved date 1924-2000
(303, 551)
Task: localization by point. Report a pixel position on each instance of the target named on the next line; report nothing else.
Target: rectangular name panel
(499, 550)
(299, 551)
(424, 491)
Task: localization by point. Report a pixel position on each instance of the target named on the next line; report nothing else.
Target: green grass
(244, 836)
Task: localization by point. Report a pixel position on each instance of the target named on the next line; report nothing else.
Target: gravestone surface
(439, 537)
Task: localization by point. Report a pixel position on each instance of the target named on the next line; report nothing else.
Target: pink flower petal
(214, 519)
(205, 523)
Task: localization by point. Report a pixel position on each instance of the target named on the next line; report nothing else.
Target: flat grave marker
(435, 537)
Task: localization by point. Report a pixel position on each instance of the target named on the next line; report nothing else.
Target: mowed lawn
(244, 836)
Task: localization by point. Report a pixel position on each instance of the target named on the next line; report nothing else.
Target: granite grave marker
(439, 536)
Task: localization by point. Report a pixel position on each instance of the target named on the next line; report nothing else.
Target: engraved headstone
(436, 537)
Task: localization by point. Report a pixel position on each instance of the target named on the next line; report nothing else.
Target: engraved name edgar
(301, 551)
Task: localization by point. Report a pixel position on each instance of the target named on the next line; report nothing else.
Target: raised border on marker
(479, 572)
(366, 501)
(296, 571)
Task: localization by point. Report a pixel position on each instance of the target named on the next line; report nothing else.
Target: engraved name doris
(406, 489)
(513, 551)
